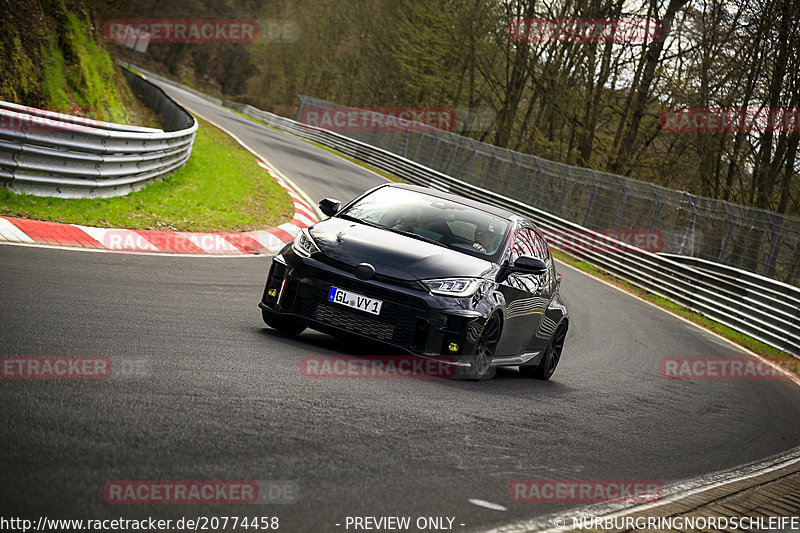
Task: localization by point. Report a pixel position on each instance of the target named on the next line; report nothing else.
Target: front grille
(402, 320)
(354, 321)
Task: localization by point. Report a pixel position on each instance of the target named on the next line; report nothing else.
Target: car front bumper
(411, 319)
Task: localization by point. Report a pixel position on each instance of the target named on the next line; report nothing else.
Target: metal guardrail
(152, 75)
(52, 154)
(755, 239)
(762, 308)
(758, 306)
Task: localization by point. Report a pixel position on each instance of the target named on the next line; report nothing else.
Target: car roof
(496, 211)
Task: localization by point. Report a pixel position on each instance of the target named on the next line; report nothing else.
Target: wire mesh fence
(742, 237)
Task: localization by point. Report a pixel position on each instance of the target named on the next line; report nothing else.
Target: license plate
(355, 300)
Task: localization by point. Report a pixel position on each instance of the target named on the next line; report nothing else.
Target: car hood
(392, 254)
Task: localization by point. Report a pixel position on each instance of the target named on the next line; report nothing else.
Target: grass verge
(221, 188)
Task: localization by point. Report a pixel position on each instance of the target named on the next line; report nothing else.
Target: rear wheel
(289, 326)
(481, 362)
(552, 356)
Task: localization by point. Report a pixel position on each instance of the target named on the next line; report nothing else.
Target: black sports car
(428, 273)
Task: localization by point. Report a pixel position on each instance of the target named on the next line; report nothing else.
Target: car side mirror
(329, 206)
(526, 264)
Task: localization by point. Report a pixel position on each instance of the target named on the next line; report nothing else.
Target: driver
(421, 221)
(425, 221)
(486, 238)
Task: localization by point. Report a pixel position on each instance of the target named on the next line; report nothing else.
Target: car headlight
(460, 287)
(303, 243)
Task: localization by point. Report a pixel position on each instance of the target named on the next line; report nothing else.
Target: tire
(552, 355)
(481, 361)
(288, 326)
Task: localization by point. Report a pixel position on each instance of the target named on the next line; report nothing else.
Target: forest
(594, 102)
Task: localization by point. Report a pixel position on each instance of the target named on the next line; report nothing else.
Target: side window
(516, 247)
(521, 243)
(525, 244)
(516, 251)
(541, 250)
(543, 253)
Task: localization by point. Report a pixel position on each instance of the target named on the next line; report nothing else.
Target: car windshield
(430, 218)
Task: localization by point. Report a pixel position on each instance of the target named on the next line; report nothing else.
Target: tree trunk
(652, 59)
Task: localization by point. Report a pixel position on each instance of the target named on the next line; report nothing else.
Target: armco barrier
(52, 154)
(762, 241)
(755, 305)
(755, 310)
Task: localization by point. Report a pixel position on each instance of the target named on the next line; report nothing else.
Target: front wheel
(552, 356)
(481, 361)
(289, 326)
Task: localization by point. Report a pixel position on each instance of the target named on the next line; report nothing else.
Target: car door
(525, 296)
(540, 336)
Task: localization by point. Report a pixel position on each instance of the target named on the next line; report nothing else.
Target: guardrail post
(591, 198)
(538, 179)
(516, 172)
(724, 249)
(776, 235)
(563, 189)
(624, 201)
(452, 160)
(474, 157)
(492, 166)
(793, 332)
(391, 138)
(419, 147)
(657, 210)
(435, 150)
(691, 228)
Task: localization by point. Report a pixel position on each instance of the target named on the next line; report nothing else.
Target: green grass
(724, 331)
(89, 84)
(221, 188)
(92, 75)
(54, 79)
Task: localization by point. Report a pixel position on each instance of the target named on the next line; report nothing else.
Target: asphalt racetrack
(216, 395)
